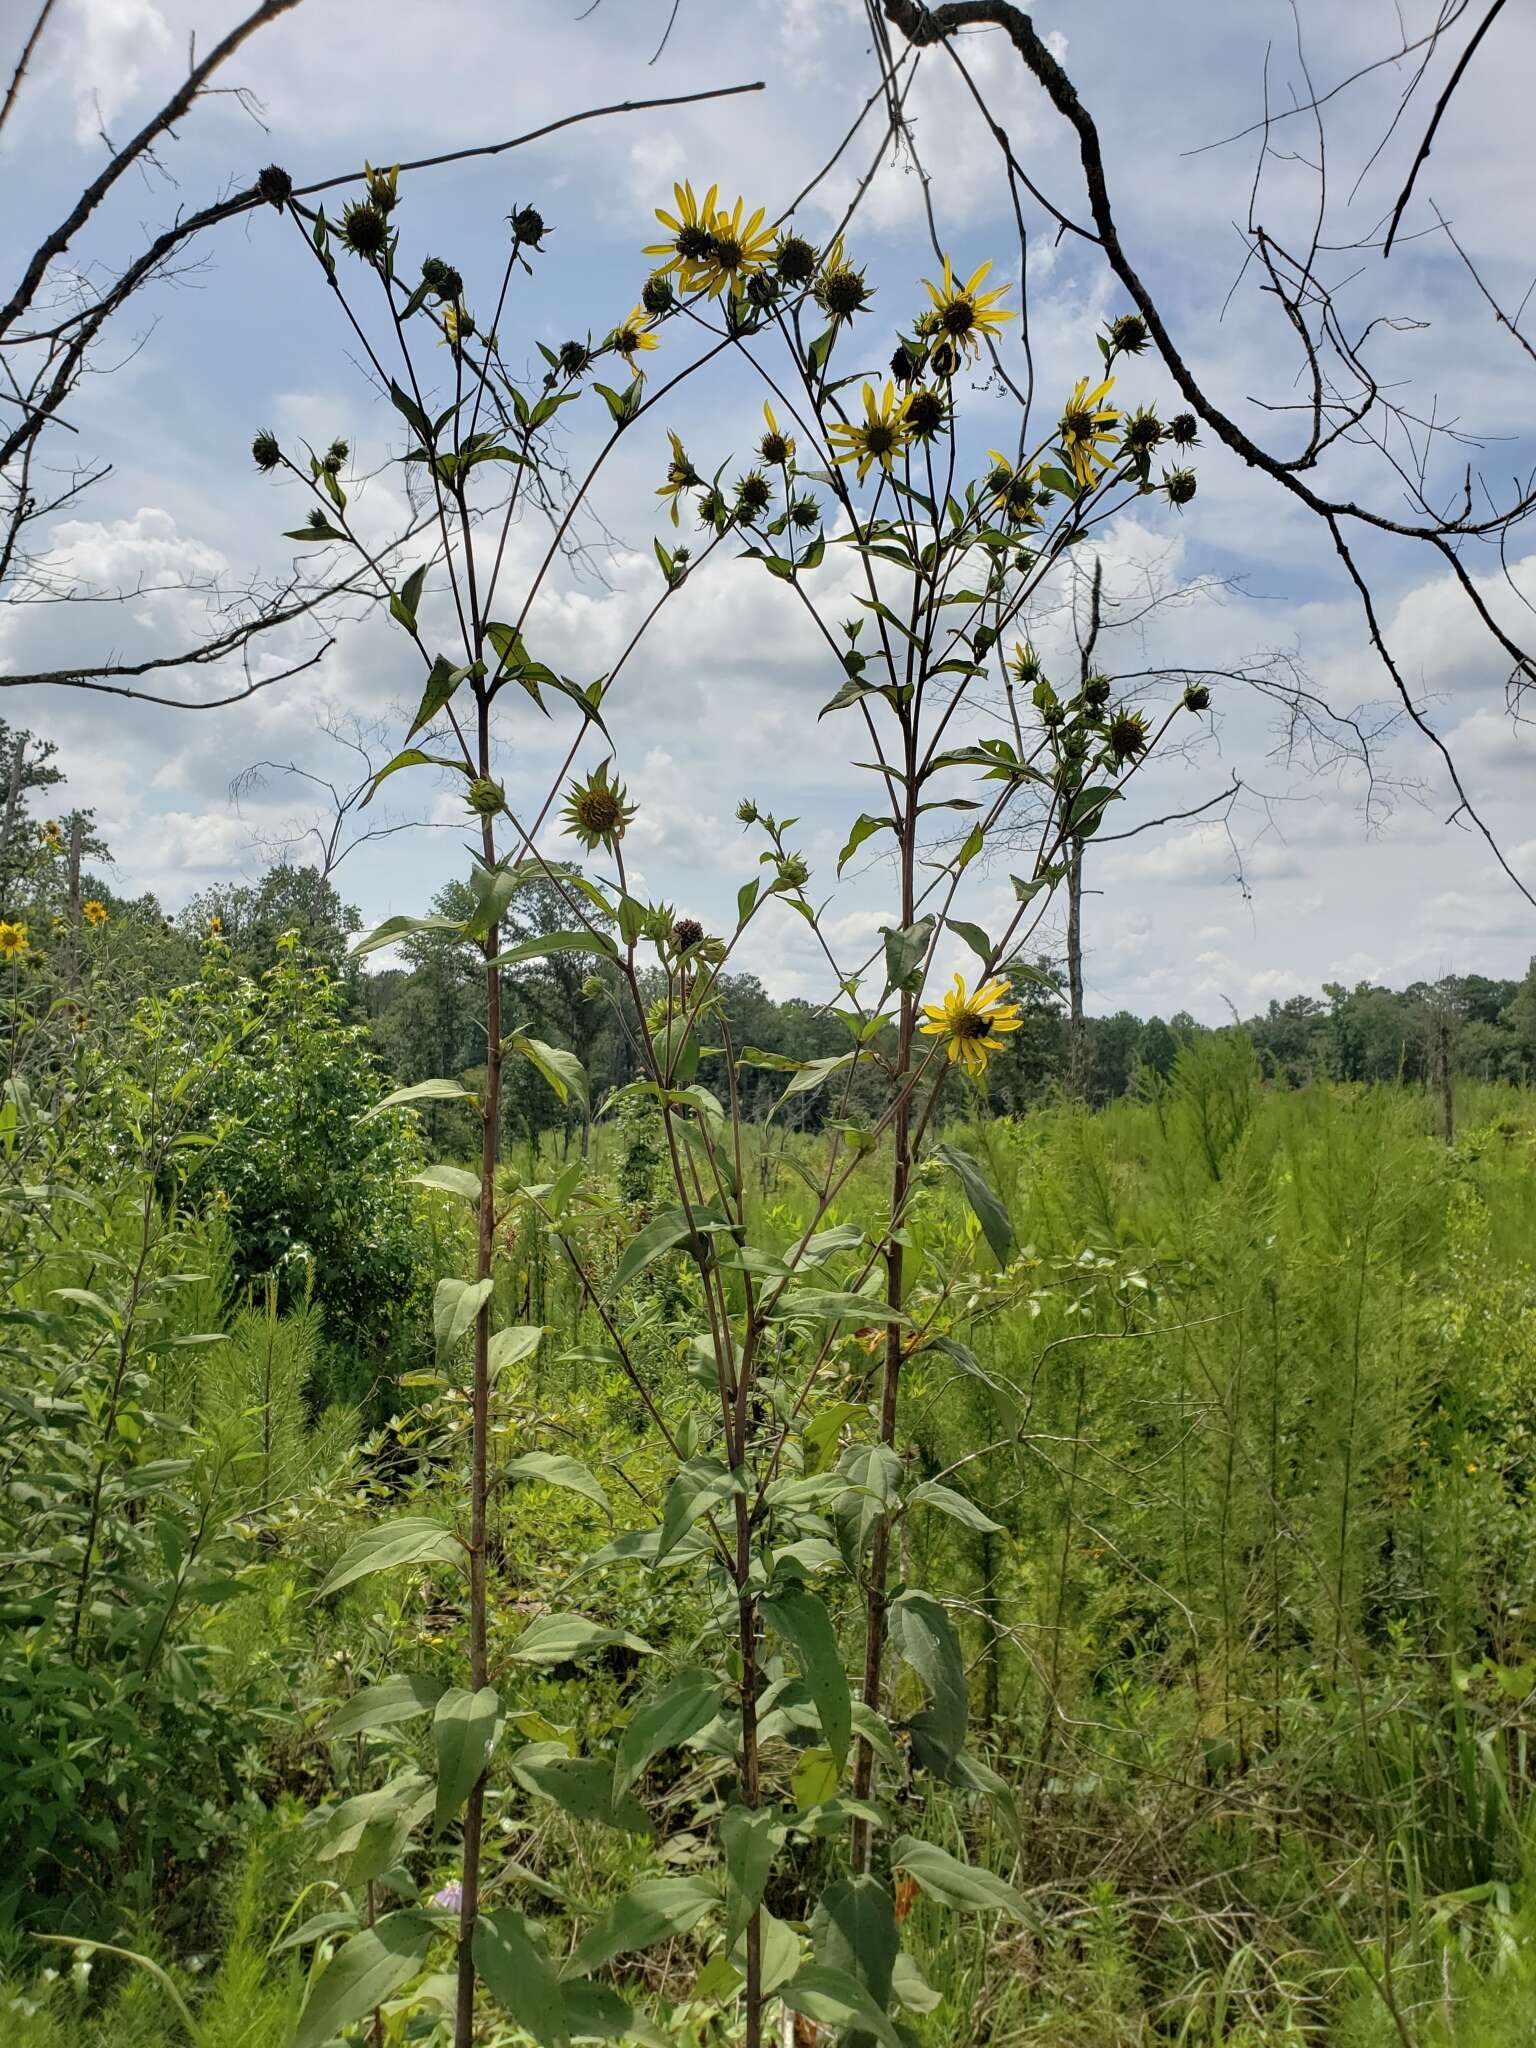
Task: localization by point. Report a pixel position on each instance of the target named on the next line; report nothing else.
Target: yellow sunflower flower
(971, 1023)
(879, 437)
(93, 912)
(632, 335)
(13, 940)
(735, 250)
(692, 234)
(775, 448)
(963, 312)
(1087, 427)
(681, 475)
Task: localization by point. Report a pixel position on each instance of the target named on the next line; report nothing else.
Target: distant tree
(1157, 1047)
(253, 917)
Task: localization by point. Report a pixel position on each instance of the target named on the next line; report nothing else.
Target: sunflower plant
(819, 1675)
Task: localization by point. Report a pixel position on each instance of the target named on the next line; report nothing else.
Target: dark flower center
(843, 291)
(597, 810)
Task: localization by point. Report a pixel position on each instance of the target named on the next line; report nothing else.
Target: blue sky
(723, 704)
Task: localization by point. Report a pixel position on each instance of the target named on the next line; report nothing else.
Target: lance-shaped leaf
(511, 1346)
(580, 1785)
(656, 1909)
(835, 2000)
(561, 1069)
(864, 827)
(830, 1307)
(449, 1180)
(905, 951)
(442, 681)
(555, 1468)
(384, 1704)
(543, 944)
(968, 1362)
(932, 1494)
(463, 1729)
(518, 1977)
(455, 1304)
(801, 1617)
(953, 1883)
(395, 928)
(988, 1210)
(364, 1971)
(666, 1718)
(749, 1837)
(923, 1638)
(556, 1638)
(409, 757)
(699, 1484)
(420, 1091)
(854, 1930)
(408, 1540)
(664, 1233)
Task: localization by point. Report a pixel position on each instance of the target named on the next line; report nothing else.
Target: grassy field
(1250, 1641)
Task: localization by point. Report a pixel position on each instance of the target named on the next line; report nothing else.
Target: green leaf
(662, 1234)
(932, 1494)
(905, 951)
(698, 1486)
(443, 679)
(394, 928)
(409, 1540)
(555, 1468)
(512, 1345)
(864, 827)
(985, 1205)
(801, 1617)
(835, 2000)
(382, 1705)
(1088, 808)
(579, 1785)
(854, 1930)
(561, 1069)
(411, 757)
(449, 1180)
(922, 1637)
(419, 1091)
(407, 406)
(656, 1909)
(910, 1988)
(813, 1781)
(969, 1363)
(463, 1728)
(664, 1719)
(405, 602)
(455, 1305)
(953, 1883)
(748, 1836)
(517, 1976)
(541, 945)
(364, 1971)
(830, 1307)
(556, 1638)
(595, 2013)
